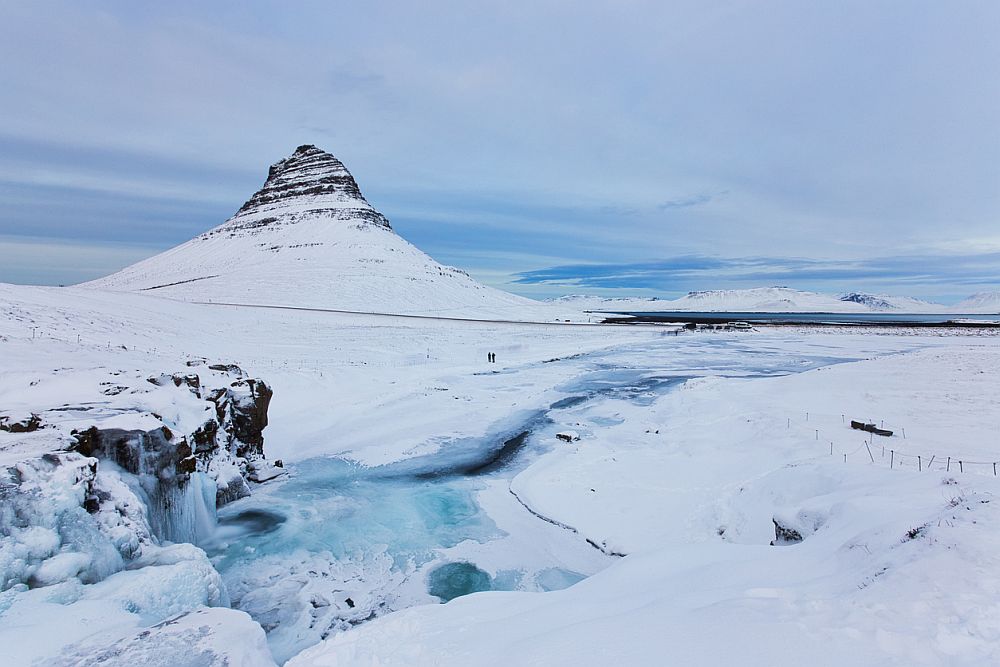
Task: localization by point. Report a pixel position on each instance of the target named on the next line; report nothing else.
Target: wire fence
(889, 451)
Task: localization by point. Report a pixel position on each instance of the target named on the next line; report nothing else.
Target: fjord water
(336, 543)
(885, 319)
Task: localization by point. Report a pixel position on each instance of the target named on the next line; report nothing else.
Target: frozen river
(336, 543)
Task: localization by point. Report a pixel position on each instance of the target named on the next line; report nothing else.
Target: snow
(775, 300)
(896, 566)
(415, 472)
(193, 639)
(387, 391)
(332, 250)
(81, 622)
(983, 302)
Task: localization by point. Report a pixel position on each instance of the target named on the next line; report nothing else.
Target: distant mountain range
(784, 300)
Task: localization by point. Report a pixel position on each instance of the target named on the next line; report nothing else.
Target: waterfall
(184, 510)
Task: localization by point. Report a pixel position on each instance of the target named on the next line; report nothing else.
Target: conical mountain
(309, 238)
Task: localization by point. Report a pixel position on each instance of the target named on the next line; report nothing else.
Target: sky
(547, 147)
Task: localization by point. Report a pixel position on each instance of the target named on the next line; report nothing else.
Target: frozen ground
(690, 448)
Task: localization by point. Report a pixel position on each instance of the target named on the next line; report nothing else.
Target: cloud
(821, 130)
(688, 202)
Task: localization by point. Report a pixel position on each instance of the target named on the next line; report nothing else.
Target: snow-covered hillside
(983, 302)
(760, 300)
(309, 238)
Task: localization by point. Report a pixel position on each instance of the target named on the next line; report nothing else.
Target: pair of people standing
(491, 357)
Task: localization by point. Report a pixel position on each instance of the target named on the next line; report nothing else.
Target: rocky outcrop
(120, 476)
(793, 526)
(228, 446)
(242, 411)
(20, 424)
(785, 535)
(308, 181)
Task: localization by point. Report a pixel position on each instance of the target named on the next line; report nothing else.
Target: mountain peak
(309, 181)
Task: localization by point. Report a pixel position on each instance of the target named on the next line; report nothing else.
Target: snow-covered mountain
(887, 303)
(764, 299)
(309, 238)
(760, 299)
(983, 302)
(623, 303)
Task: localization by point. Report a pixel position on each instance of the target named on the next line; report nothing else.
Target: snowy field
(418, 472)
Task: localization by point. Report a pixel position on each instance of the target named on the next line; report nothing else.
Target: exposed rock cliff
(149, 461)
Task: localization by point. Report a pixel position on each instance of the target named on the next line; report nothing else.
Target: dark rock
(187, 465)
(784, 535)
(242, 410)
(204, 437)
(309, 176)
(24, 425)
(232, 369)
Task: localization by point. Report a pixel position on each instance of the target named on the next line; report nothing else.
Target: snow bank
(890, 566)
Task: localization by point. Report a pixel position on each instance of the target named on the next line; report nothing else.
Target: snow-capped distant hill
(627, 303)
(309, 238)
(886, 303)
(983, 302)
(760, 299)
(764, 299)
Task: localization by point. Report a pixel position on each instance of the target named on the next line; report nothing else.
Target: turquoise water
(336, 544)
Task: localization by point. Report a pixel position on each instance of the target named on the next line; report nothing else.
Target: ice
(201, 638)
(556, 579)
(60, 567)
(46, 536)
(165, 582)
(182, 511)
(453, 580)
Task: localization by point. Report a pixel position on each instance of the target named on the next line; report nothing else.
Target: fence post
(960, 467)
(870, 452)
(947, 468)
(807, 416)
(789, 424)
(904, 434)
(845, 458)
(931, 462)
(994, 469)
(919, 466)
(817, 434)
(892, 455)
(831, 449)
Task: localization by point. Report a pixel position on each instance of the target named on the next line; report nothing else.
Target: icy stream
(337, 544)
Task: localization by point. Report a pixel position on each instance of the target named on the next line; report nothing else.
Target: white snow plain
(679, 486)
